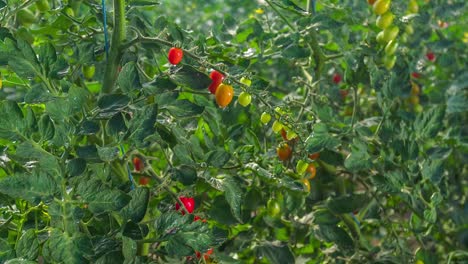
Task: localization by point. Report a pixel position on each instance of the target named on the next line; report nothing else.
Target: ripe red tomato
(284, 152)
(188, 202)
(415, 75)
(224, 95)
(137, 164)
(336, 78)
(144, 180)
(206, 255)
(314, 156)
(217, 78)
(431, 56)
(175, 55)
(197, 218)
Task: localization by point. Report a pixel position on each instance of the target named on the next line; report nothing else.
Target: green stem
(116, 51)
(281, 15)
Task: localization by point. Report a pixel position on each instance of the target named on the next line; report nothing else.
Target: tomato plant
(89, 86)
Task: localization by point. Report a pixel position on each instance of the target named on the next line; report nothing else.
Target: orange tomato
(224, 95)
(311, 170)
(314, 156)
(306, 183)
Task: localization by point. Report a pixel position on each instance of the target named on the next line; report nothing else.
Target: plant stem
(116, 51)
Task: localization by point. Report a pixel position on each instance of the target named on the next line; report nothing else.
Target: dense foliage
(276, 131)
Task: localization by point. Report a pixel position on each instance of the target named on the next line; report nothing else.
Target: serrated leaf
(89, 153)
(233, 194)
(135, 231)
(429, 122)
(185, 174)
(46, 127)
(184, 108)
(321, 140)
(433, 170)
(166, 134)
(12, 121)
(28, 245)
(6, 251)
(129, 248)
(335, 234)
(129, 79)
(190, 77)
(112, 104)
(101, 198)
(347, 203)
(65, 248)
(108, 154)
(218, 158)
(64, 214)
(276, 254)
(324, 217)
(169, 222)
(34, 187)
(142, 125)
(135, 210)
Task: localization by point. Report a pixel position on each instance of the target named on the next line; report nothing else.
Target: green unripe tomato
(381, 6)
(89, 71)
(265, 118)
(391, 47)
(43, 5)
(409, 30)
(404, 37)
(279, 110)
(277, 126)
(25, 17)
(389, 62)
(245, 81)
(301, 167)
(390, 33)
(380, 38)
(385, 20)
(244, 99)
(290, 134)
(413, 7)
(273, 208)
(69, 11)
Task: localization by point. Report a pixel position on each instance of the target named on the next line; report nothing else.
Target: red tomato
(284, 152)
(206, 255)
(336, 78)
(344, 93)
(217, 78)
(415, 75)
(144, 180)
(431, 56)
(284, 134)
(137, 164)
(175, 55)
(188, 202)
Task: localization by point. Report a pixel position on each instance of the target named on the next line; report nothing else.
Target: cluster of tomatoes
(223, 92)
(389, 32)
(188, 202)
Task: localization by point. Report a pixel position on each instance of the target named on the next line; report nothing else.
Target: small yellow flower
(259, 11)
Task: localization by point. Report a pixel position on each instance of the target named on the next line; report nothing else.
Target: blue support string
(106, 33)
(314, 6)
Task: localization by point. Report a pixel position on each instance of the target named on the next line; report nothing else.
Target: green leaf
(6, 251)
(190, 77)
(66, 248)
(185, 174)
(169, 222)
(100, 197)
(184, 108)
(142, 125)
(135, 231)
(335, 234)
(34, 187)
(295, 52)
(324, 217)
(135, 210)
(233, 194)
(129, 248)
(429, 122)
(166, 134)
(89, 128)
(128, 79)
(64, 215)
(433, 171)
(116, 126)
(347, 203)
(12, 121)
(46, 127)
(28, 245)
(320, 140)
(89, 153)
(457, 104)
(108, 154)
(218, 158)
(111, 104)
(20, 261)
(47, 56)
(276, 253)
